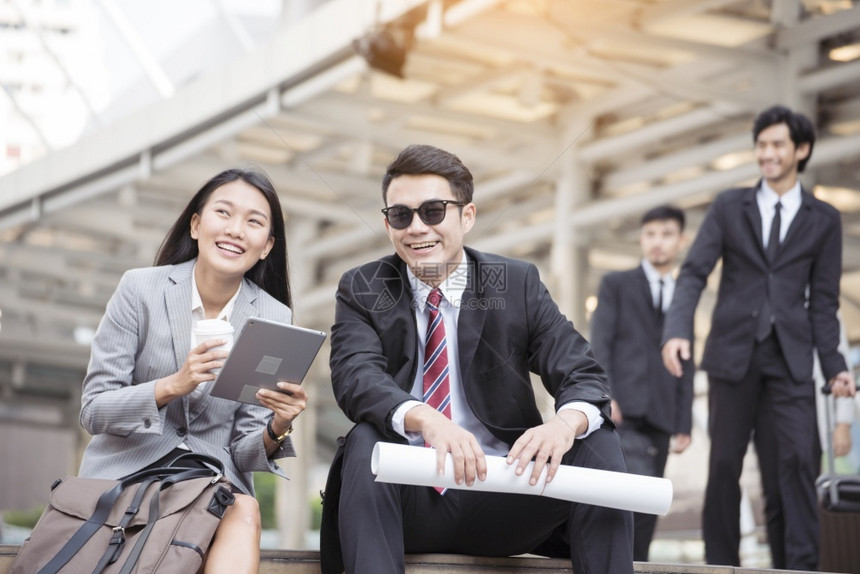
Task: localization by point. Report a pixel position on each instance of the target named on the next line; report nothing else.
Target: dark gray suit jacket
(809, 258)
(626, 335)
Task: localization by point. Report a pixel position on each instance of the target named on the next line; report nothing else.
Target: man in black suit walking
(781, 250)
(434, 345)
(651, 408)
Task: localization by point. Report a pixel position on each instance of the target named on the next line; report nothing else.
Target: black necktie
(773, 241)
(659, 306)
(764, 323)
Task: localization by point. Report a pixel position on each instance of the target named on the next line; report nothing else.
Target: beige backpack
(157, 520)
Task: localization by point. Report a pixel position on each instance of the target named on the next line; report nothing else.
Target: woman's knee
(244, 512)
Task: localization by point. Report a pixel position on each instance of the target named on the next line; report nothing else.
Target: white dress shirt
(198, 313)
(766, 199)
(654, 277)
(452, 289)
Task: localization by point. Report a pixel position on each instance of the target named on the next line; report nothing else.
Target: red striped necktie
(437, 387)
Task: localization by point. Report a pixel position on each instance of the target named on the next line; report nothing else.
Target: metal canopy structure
(575, 116)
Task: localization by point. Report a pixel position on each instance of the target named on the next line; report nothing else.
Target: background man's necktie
(773, 240)
(764, 323)
(658, 308)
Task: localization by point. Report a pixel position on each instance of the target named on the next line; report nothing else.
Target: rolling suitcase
(838, 509)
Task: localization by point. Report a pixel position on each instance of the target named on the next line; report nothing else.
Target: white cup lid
(213, 326)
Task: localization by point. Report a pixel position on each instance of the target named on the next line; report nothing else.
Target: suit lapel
(177, 298)
(178, 301)
(799, 225)
(244, 307)
(753, 216)
(397, 317)
(643, 288)
(646, 301)
(470, 324)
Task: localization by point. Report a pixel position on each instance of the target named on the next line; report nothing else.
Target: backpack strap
(85, 532)
(117, 540)
(168, 481)
(201, 459)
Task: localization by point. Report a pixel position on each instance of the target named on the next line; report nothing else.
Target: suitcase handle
(832, 483)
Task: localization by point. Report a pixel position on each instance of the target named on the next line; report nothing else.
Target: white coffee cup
(208, 329)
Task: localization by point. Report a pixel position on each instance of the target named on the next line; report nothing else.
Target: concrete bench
(307, 562)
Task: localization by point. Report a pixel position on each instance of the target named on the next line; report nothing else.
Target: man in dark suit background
(781, 251)
(651, 408)
(499, 323)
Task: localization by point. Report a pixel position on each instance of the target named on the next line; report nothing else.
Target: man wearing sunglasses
(433, 346)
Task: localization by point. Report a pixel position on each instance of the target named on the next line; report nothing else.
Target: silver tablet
(264, 353)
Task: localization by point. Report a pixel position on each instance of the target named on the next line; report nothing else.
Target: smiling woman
(224, 258)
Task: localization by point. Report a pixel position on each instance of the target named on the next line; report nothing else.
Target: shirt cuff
(591, 412)
(398, 420)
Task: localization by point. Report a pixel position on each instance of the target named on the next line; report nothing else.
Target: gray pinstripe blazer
(145, 335)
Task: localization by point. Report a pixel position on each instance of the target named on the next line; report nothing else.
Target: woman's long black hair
(270, 274)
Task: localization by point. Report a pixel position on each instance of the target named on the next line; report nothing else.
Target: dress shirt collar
(653, 275)
(452, 287)
(790, 200)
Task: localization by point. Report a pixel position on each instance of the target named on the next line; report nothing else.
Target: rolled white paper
(404, 464)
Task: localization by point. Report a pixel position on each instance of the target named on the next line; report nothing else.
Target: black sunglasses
(431, 213)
